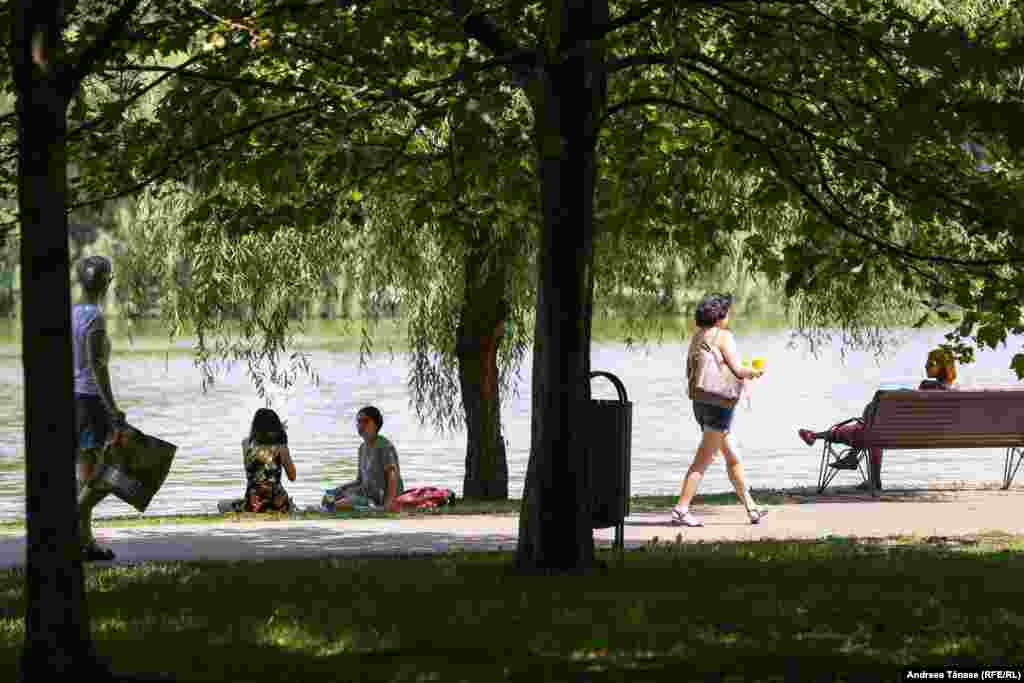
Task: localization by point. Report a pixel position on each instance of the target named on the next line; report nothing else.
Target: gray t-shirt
(372, 461)
(84, 319)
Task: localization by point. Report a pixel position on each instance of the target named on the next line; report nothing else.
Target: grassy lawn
(768, 611)
(503, 507)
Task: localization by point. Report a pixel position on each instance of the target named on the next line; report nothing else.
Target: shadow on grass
(721, 611)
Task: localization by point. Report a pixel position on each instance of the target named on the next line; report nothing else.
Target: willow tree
(467, 242)
(312, 150)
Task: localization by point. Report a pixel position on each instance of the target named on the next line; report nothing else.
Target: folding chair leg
(823, 478)
(826, 474)
(1011, 469)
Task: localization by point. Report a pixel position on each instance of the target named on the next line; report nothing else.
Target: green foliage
(475, 205)
(147, 262)
(237, 295)
(816, 145)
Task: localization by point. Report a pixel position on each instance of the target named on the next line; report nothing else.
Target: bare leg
(89, 496)
(710, 443)
(736, 475)
(86, 471)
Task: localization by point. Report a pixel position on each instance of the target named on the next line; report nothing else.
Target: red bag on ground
(426, 497)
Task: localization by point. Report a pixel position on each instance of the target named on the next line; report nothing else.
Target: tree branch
(141, 185)
(647, 10)
(98, 51)
(212, 78)
(399, 152)
(89, 125)
(800, 186)
(632, 16)
(485, 31)
(614, 65)
(841, 149)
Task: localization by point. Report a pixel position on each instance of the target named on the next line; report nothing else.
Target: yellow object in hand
(758, 363)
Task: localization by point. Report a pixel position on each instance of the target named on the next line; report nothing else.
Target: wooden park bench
(906, 419)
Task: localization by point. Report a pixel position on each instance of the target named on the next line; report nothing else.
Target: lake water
(162, 395)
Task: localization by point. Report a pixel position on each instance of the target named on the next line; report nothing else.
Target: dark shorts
(92, 424)
(713, 418)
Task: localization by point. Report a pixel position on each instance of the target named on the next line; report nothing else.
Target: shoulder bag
(709, 379)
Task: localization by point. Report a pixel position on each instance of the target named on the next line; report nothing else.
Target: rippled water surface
(162, 396)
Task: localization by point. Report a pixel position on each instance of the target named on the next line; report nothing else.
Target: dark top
(934, 384)
(925, 385)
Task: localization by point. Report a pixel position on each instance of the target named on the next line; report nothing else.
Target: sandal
(94, 552)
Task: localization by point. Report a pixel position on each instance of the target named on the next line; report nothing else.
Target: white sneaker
(687, 518)
(757, 515)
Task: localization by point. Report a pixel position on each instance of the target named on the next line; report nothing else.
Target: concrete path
(946, 514)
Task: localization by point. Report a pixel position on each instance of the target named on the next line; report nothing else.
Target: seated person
(941, 371)
(379, 481)
(265, 455)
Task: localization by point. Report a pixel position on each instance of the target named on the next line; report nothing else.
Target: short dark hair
(94, 273)
(373, 414)
(712, 308)
(267, 428)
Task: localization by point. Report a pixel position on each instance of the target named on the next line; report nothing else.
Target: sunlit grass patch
(749, 608)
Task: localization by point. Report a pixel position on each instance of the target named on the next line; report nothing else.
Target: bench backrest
(987, 417)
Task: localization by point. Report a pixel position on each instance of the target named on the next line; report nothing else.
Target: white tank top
(84, 319)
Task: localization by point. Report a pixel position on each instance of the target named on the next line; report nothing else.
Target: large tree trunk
(555, 533)
(480, 330)
(57, 639)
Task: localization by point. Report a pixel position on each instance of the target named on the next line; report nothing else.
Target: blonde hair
(944, 359)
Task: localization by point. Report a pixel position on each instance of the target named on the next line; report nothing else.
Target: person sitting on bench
(941, 371)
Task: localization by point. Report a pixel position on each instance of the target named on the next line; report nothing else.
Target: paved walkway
(944, 514)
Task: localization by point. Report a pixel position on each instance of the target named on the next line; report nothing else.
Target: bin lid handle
(619, 387)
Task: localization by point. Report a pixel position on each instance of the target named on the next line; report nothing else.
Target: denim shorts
(92, 424)
(713, 418)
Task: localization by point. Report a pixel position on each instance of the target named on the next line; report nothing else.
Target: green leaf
(1017, 365)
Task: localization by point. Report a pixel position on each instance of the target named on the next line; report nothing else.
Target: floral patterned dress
(264, 464)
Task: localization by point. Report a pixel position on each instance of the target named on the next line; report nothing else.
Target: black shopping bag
(135, 470)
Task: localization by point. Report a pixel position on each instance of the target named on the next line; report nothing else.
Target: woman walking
(97, 416)
(714, 345)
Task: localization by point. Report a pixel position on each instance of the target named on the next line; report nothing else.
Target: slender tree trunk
(479, 334)
(57, 639)
(555, 533)
(670, 280)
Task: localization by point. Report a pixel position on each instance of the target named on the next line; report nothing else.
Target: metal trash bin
(608, 428)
